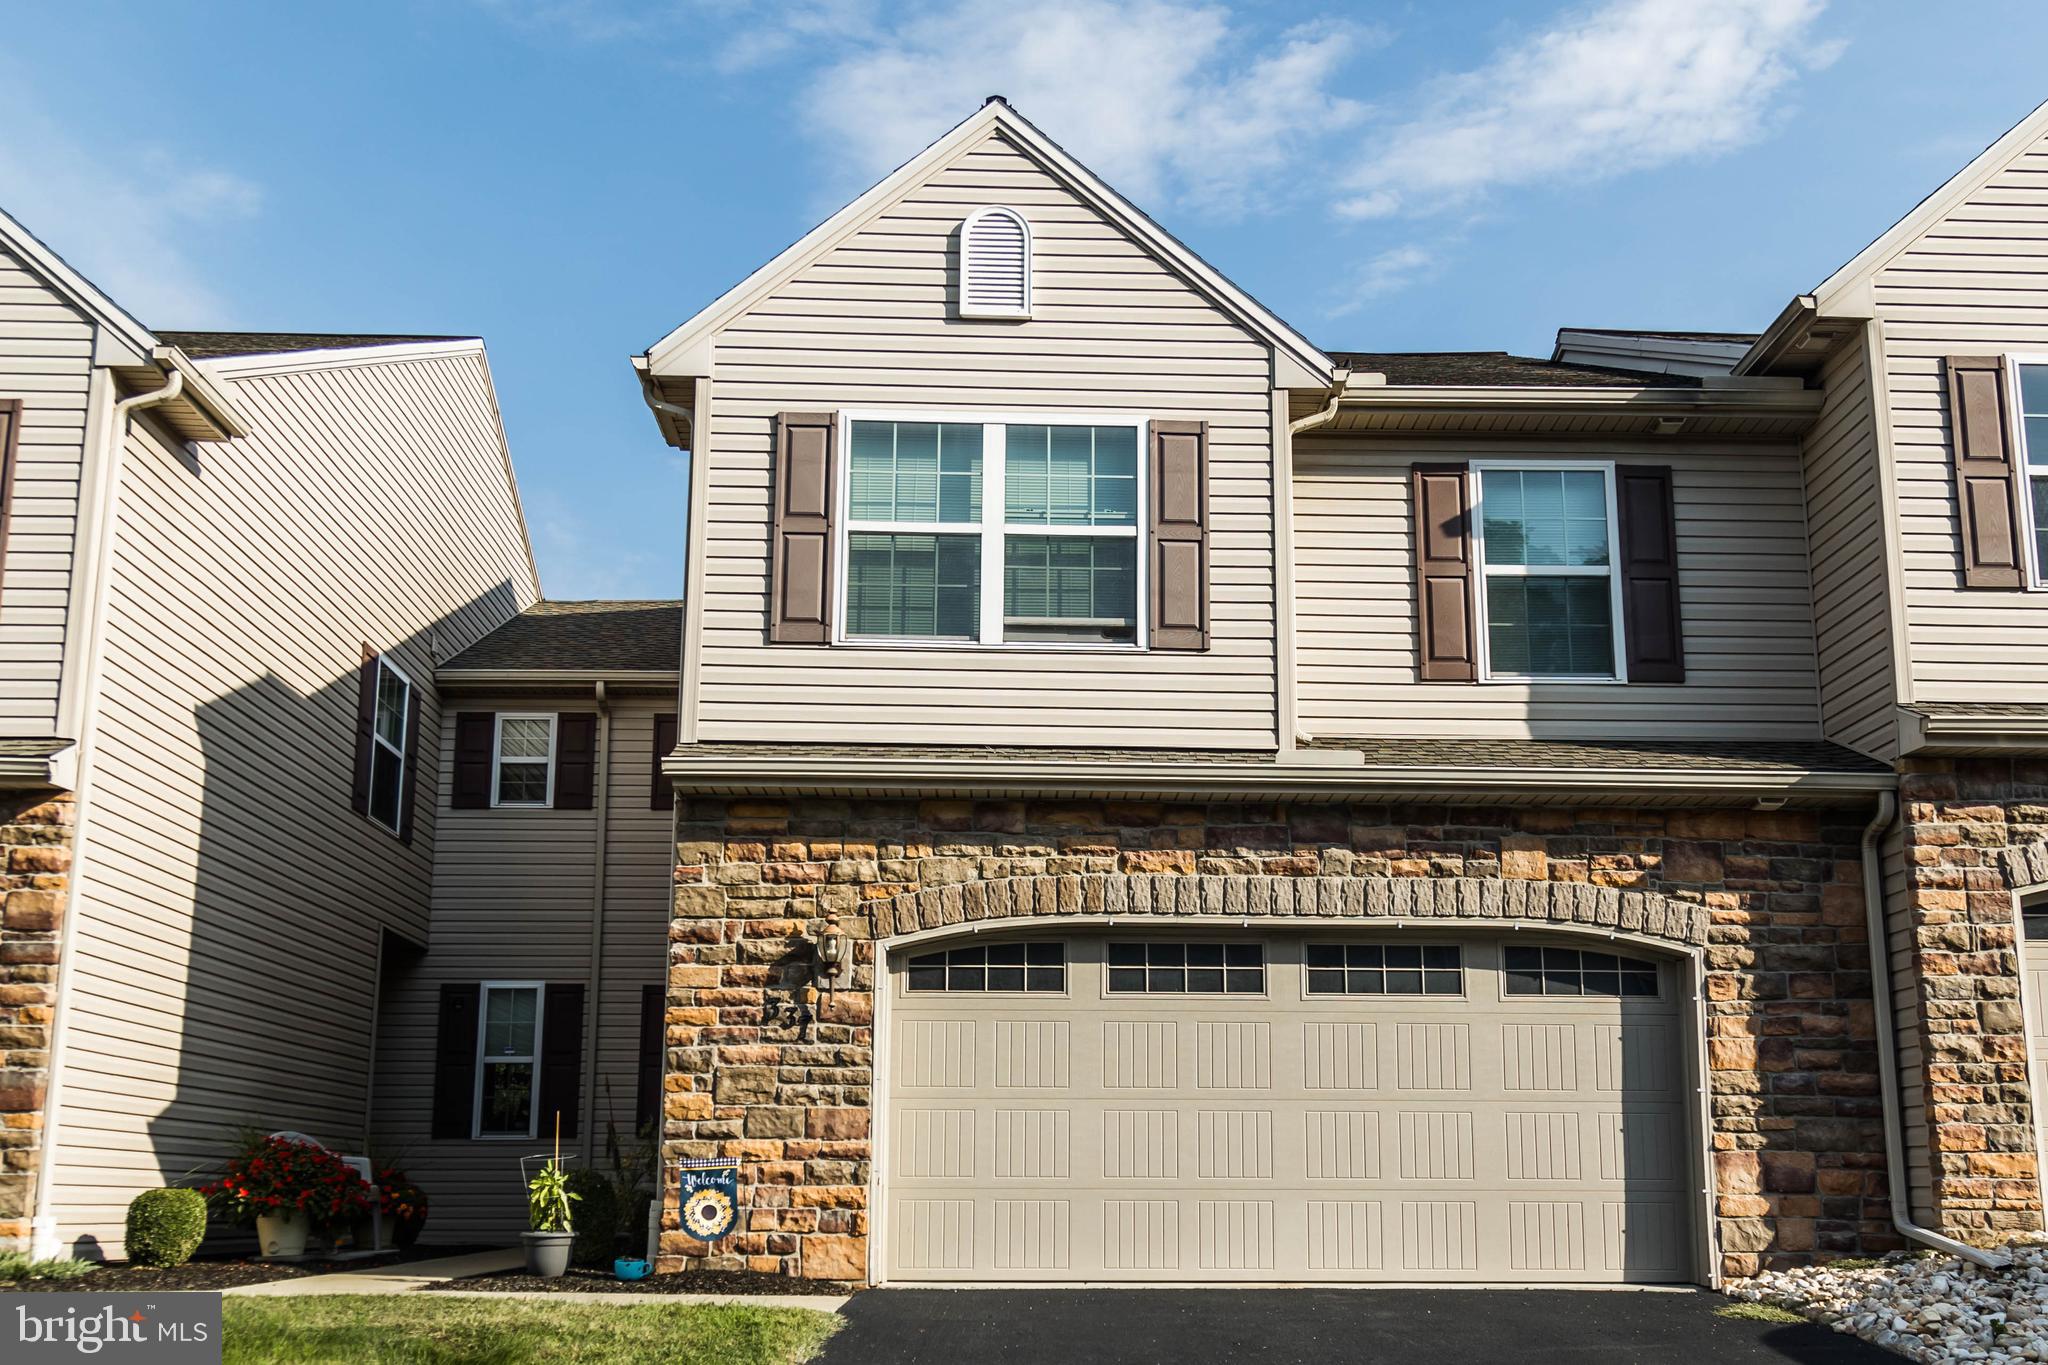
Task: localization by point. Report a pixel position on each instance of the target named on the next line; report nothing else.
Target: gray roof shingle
(214, 345)
(1493, 369)
(581, 637)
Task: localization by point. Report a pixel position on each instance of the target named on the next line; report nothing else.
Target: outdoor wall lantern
(831, 948)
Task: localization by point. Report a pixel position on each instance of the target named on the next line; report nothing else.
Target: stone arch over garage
(1575, 905)
(2025, 865)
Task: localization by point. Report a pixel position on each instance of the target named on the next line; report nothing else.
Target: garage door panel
(1085, 1134)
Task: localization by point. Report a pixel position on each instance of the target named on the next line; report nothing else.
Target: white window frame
(498, 759)
(1475, 498)
(385, 665)
(2037, 572)
(483, 1017)
(991, 528)
(966, 310)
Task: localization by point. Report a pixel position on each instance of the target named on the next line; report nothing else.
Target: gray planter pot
(547, 1253)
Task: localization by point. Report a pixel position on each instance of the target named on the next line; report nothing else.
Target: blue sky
(572, 178)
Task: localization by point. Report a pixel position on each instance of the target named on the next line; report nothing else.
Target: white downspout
(1284, 593)
(1887, 1051)
(601, 803)
(43, 1242)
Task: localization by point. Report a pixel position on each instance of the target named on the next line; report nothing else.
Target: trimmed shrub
(165, 1226)
(597, 1218)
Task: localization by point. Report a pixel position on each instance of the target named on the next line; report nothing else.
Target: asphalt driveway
(1317, 1326)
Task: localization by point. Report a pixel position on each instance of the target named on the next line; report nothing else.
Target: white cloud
(1157, 96)
(1631, 85)
(1390, 271)
(118, 220)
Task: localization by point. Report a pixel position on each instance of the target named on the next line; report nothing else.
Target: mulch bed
(589, 1279)
(217, 1272)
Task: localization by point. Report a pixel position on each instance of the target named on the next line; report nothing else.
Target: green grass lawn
(428, 1329)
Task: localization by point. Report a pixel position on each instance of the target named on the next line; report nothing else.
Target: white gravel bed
(1929, 1307)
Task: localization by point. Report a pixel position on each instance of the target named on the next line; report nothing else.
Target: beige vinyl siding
(1851, 573)
(1112, 330)
(229, 902)
(513, 891)
(1974, 284)
(46, 362)
(1746, 606)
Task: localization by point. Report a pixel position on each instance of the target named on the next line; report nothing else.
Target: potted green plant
(550, 1238)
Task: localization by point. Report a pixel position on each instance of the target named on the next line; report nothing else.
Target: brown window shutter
(800, 588)
(409, 785)
(1990, 492)
(561, 1058)
(575, 760)
(1651, 629)
(663, 793)
(647, 1079)
(366, 724)
(1444, 571)
(476, 733)
(1180, 535)
(455, 1061)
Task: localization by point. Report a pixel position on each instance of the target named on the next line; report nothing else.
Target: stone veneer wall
(35, 836)
(1776, 897)
(1974, 832)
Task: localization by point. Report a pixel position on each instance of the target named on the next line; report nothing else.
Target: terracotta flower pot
(282, 1235)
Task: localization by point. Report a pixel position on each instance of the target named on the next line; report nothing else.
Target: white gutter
(601, 801)
(43, 1242)
(576, 679)
(1887, 1052)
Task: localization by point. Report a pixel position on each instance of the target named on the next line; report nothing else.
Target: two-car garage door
(1409, 1106)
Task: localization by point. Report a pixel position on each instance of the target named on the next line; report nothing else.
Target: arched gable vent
(995, 264)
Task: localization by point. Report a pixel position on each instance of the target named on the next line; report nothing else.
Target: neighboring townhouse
(542, 994)
(233, 562)
(1927, 483)
(1291, 815)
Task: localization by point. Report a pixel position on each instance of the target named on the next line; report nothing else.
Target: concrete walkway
(823, 1303)
(410, 1277)
(402, 1278)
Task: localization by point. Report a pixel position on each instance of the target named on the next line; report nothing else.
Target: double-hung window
(508, 1058)
(1550, 599)
(523, 765)
(2033, 393)
(992, 530)
(388, 745)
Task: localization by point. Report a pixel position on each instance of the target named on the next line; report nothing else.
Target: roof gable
(1840, 293)
(134, 343)
(687, 349)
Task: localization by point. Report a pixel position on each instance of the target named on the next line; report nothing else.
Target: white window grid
(377, 740)
(2030, 530)
(531, 1059)
(1475, 499)
(991, 528)
(499, 760)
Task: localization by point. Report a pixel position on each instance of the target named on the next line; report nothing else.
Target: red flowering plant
(276, 1175)
(404, 1204)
